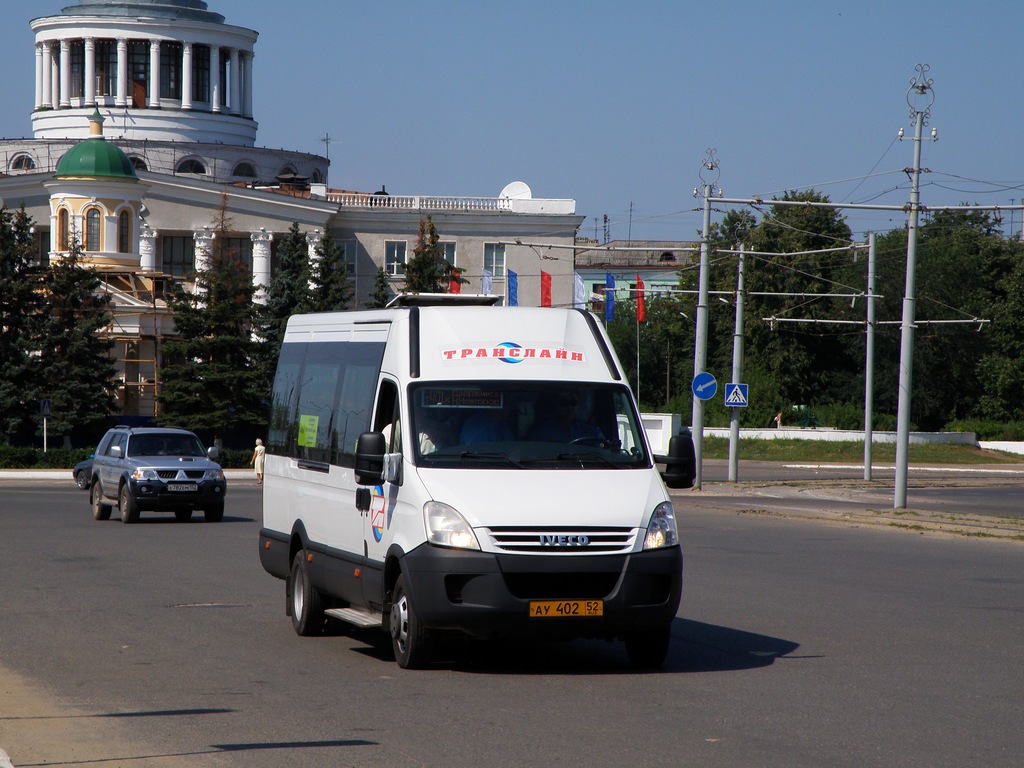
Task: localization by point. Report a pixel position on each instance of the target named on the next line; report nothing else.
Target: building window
(106, 68)
(245, 170)
(63, 229)
(170, 70)
(394, 257)
(138, 71)
(449, 252)
(179, 255)
(124, 233)
(23, 163)
(190, 166)
(494, 259)
(239, 248)
(138, 163)
(77, 69)
(92, 229)
(201, 72)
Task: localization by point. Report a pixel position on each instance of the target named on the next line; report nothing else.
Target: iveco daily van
(479, 470)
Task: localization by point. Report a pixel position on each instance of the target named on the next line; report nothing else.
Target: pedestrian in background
(256, 462)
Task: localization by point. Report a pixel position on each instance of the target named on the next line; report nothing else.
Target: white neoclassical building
(143, 127)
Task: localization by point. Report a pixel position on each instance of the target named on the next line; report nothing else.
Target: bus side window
(388, 417)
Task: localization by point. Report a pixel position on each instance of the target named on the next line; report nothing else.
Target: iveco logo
(547, 540)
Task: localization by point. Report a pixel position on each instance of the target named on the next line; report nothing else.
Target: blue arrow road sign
(736, 395)
(704, 386)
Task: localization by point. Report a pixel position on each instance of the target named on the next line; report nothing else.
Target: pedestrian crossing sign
(736, 395)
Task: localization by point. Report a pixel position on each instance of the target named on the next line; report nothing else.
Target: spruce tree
(20, 304)
(72, 365)
(210, 382)
(427, 271)
(381, 294)
(330, 289)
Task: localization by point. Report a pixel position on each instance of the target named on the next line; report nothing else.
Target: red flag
(545, 289)
(454, 286)
(641, 308)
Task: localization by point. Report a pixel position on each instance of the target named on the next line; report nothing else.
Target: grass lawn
(810, 451)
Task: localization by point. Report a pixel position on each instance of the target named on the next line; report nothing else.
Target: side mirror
(213, 452)
(370, 448)
(115, 451)
(680, 463)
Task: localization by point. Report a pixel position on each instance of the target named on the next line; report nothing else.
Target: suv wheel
(100, 511)
(214, 513)
(127, 505)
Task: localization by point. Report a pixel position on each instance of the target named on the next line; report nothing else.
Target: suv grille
(562, 540)
(171, 474)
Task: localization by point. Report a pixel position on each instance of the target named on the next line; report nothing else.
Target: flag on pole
(454, 286)
(609, 297)
(485, 285)
(641, 308)
(579, 300)
(545, 289)
(513, 289)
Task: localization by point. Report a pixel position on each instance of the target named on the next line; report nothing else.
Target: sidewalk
(65, 474)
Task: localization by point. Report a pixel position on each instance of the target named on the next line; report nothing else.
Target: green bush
(12, 457)
(989, 430)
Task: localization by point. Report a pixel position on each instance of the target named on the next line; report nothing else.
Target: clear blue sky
(614, 103)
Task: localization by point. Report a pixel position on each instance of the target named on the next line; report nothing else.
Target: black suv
(164, 469)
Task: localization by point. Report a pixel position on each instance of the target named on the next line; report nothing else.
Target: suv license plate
(563, 609)
(181, 487)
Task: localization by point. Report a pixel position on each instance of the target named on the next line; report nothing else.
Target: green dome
(94, 157)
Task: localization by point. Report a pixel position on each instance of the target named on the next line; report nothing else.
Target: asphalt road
(799, 643)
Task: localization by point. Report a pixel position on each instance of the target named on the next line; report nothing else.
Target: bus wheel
(307, 605)
(409, 638)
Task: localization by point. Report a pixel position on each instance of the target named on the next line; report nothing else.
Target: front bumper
(156, 495)
(487, 595)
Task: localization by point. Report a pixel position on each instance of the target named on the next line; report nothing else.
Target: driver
(565, 424)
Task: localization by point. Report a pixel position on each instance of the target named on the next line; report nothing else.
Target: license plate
(565, 609)
(181, 487)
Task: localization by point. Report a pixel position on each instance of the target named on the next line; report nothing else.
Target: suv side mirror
(115, 451)
(370, 448)
(213, 452)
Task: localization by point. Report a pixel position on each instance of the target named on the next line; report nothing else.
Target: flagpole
(638, 359)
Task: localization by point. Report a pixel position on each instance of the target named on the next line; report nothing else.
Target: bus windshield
(526, 425)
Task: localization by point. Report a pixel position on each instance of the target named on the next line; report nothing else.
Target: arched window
(23, 163)
(245, 170)
(124, 233)
(92, 229)
(138, 163)
(191, 166)
(318, 178)
(63, 229)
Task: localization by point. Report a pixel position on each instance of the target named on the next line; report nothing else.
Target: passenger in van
(487, 425)
(434, 432)
(563, 423)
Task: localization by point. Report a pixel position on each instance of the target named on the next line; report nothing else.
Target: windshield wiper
(580, 456)
(492, 456)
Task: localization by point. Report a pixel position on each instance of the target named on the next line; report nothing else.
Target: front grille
(562, 540)
(171, 474)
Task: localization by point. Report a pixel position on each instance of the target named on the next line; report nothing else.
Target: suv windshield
(526, 425)
(171, 444)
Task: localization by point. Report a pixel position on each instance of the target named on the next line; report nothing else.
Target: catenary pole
(737, 372)
(869, 355)
(700, 342)
(920, 97)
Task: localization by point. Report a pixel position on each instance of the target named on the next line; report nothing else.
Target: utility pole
(920, 98)
(737, 370)
(327, 143)
(869, 365)
(709, 174)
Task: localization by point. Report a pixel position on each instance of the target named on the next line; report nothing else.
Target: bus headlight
(447, 528)
(662, 532)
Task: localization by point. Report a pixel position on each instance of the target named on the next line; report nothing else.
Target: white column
(90, 73)
(215, 83)
(261, 264)
(39, 77)
(235, 105)
(147, 248)
(186, 76)
(65, 74)
(247, 86)
(46, 70)
(203, 259)
(122, 73)
(154, 74)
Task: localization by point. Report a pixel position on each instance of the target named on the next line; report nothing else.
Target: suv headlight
(213, 474)
(662, 532)
(144, 474)
(447, 528)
